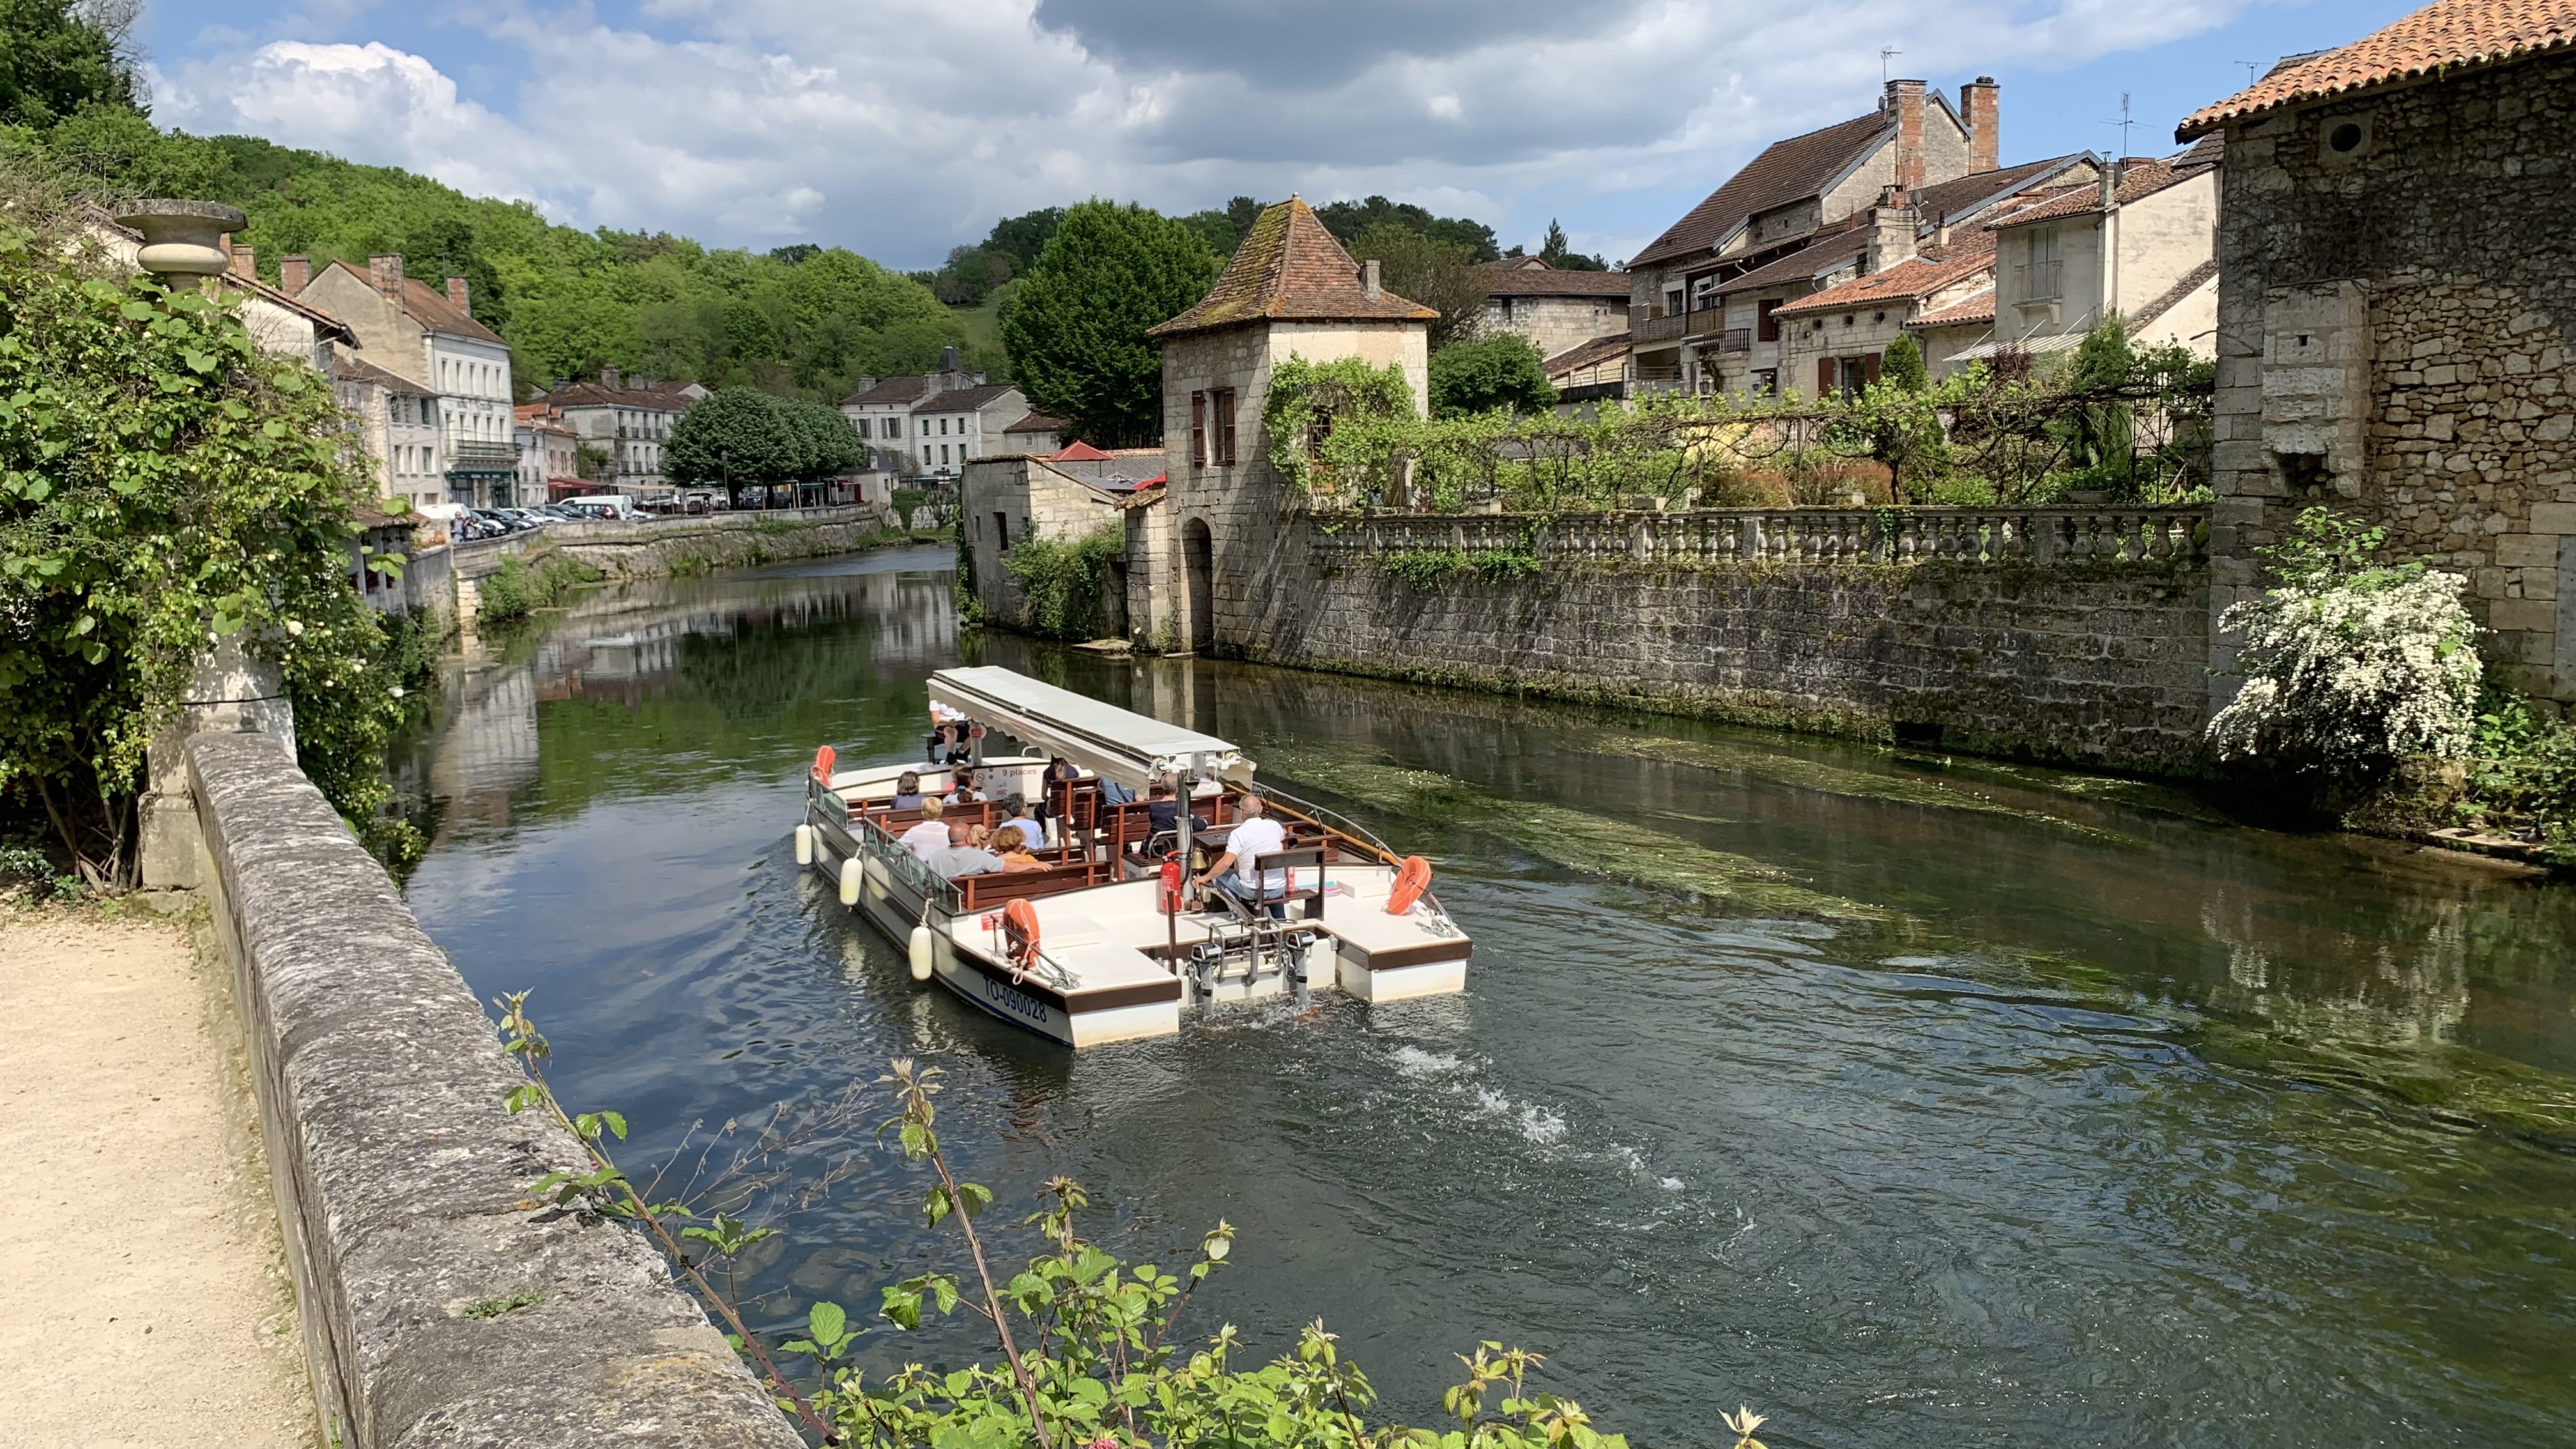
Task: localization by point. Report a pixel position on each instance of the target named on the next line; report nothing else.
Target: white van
(605, 505)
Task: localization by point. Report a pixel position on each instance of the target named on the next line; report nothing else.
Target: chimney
(1370, 286)
(1981, 108)
(2110, 183)
(245, 266)
(608, 377)
(1904, 103)
(386, 273)
(1892, 227)
(456, 294)
(294, 274)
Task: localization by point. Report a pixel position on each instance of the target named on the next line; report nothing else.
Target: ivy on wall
(1063, 584)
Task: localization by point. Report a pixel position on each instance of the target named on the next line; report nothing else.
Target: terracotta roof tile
(1967, 196)
(2136, 184)
(1039, 423)
(894, 390)
(1588, 354)
(598, 395)
(962, 399)
(430, 308)
(2448, 35)
(1979, 308)
(1514, 277)
(1809, 262)
(1287, 268)
(1915, 277)
(1785, 171)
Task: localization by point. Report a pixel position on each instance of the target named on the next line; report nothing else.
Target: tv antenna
(2253, 70)
(2124, 123)
(1886, 53)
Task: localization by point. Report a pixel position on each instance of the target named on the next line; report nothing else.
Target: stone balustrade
(2029, 537)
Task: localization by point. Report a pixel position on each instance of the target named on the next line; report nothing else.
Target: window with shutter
(1824, 377)
(1223, 399)
(1766, 328)
(1869, 369)
(1198, 430)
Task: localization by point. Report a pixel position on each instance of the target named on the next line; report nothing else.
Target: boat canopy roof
(1131, 748)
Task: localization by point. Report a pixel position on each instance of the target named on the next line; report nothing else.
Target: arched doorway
(1198, 566)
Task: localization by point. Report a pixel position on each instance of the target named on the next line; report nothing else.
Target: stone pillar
(229, 693)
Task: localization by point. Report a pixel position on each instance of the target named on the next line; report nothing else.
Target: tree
(1558, 253)
(826, 445)
(1479, 376)
(1223, 230)
(1347, 219)
(1022, 237)
(1078, 319)
(59, 56)
(1441, 275)
(1901, 366)
(737, 438)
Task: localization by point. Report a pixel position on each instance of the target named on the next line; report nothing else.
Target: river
(1911, 1101)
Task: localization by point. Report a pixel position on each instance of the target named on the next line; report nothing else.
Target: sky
(901, 128)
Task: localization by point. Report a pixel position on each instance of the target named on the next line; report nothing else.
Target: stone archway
(1198, 572)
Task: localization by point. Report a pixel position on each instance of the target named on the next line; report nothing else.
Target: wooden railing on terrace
(2040, 537)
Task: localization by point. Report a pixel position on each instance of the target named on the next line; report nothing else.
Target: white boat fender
(850, 881)
(804, 845)
(876, 878)
(920, 953)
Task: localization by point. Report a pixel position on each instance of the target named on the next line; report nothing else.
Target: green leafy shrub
(1431, 568)
(1062, 583)
(1483, 374)
(1089, 1350)
(164, 486)
(516, 590)
(2522, 774)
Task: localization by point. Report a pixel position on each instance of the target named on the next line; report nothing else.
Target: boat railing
(1342, 825)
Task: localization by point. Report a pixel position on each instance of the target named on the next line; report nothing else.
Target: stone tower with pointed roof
(1205, 556)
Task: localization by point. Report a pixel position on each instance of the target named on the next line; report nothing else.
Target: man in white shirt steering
(1255, 835)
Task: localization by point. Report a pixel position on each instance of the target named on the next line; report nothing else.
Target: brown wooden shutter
(1869, 368)
(1766, 328)
(1824, 377)
(1198, 430)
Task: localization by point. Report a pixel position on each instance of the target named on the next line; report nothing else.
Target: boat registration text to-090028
(1014, 1000)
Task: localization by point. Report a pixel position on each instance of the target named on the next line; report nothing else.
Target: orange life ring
(1411, 880)
(823, 765)
(1020, 936)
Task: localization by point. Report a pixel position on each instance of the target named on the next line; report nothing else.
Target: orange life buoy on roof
(1020, 936)
(1411, 880)
(823, 765)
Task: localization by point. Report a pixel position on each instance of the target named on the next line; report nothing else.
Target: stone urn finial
(182, 239)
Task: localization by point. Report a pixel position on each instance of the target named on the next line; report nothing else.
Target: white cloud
(906, 124)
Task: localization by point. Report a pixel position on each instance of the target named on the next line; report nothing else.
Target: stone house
(431, 338)
(2397, 314)
(1836, 338)
(549, 455)
(1202, 555)
(1793, 195)
(1556, 310)
(1035, 433)
(627, 418)
(398, 422)
(930, 425)
(2142, 242)
(1586, 374)
(1003, 500)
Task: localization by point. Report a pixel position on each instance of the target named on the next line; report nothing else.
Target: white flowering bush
(2349, 666)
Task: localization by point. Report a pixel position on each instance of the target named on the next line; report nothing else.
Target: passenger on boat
(1255, 835)
(947, 731)
(1012, 846)
(907, 792)
(1015, 811)
(1163, 811)
(961, 857)
(929, 837)
(965, 793)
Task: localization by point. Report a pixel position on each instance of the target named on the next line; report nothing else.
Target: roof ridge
(2442, 37)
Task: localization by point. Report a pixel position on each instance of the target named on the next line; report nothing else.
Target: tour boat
(1104, 942)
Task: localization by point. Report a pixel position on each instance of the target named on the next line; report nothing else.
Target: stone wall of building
(2397, 339)
(2076, 635)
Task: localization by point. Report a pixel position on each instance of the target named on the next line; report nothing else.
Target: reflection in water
(1915, 1101)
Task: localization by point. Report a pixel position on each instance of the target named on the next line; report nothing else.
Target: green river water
(1912, 1101)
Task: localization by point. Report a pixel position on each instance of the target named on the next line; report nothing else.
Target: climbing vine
(1063, 583)
(164, 486)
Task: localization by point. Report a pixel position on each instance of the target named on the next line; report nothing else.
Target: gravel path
(144, 1299)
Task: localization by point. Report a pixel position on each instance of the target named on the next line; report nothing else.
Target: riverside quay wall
(440, 1306)
(2079, 635)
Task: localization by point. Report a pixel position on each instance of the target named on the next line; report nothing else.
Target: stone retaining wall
(400, 1181)
(2075, 635)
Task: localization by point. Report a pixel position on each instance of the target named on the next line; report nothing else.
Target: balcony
(2039, 283)
(1735, 342)
(482, 458)
(1657, 329)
